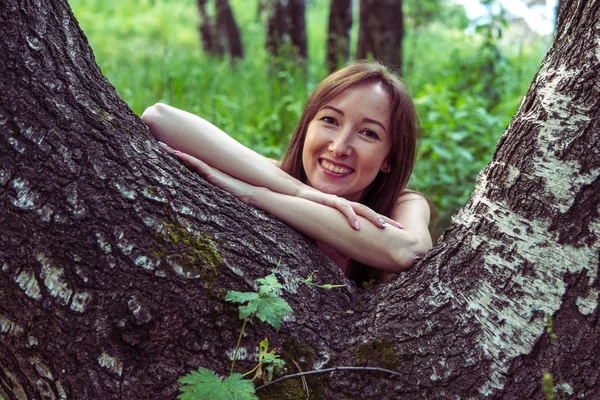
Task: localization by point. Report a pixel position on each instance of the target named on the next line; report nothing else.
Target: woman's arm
(391, 249)
(199, 138)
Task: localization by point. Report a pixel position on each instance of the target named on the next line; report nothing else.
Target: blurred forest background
(248, 66)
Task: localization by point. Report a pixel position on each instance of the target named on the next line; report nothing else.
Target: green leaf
(249, 309)
(205, 385)
(269, 284)
(240, 297)
(271, 308)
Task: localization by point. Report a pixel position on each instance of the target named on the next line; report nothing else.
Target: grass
(150, 51)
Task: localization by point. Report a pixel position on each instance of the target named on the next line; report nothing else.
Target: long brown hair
(382, 194)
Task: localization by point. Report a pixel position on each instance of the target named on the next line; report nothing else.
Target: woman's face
(348, 141)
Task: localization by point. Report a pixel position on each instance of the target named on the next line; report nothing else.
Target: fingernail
(356, 225)
(382, 222)
(162, 143)
(399, 225)
(177, 152)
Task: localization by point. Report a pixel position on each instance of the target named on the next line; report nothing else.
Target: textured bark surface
(381, 31)
(114, 258)
(338, 34)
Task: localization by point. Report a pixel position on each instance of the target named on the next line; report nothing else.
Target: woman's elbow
(152, 117)
(407, 256)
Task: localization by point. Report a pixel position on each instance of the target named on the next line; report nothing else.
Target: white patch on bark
(4, 176)
(123, 244)
(103, 243)
(27, 198)
(52, 277)
(16, 144)
(587, 305)
(80, 301)
(242, 354)
(533, 265)
(45, 213)
(127, 192)
(146, 263)
(113, 364)
(9, 328)
(562, 126)
(26, 280)
(42, 369)
(32, 341)
(152, 194)
(78, 206)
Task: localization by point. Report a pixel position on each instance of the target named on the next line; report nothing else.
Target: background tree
(380, 32)
(338, 34)
(115, 257)
(286, 22)
(219, 32)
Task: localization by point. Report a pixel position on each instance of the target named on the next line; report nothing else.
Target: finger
(166, 147)
(344, 207)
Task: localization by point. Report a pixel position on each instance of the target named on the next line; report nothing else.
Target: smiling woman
(343, 178)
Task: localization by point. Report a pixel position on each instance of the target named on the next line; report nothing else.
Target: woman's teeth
(334, 168)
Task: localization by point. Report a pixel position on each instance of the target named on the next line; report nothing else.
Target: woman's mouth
(336, 169)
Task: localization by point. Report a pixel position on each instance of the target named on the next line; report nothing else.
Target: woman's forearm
(196, 136)
(391, 249)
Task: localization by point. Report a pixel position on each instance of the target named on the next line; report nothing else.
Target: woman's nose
(341, 145)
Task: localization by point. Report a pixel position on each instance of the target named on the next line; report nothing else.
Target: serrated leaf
(249, 309)
(205, 385)
(269, 284)
(271, 308)
(240, 297)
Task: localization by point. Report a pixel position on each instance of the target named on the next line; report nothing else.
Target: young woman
(343, 178)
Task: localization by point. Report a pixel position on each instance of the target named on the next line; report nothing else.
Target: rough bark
(226, 22)
(381, 31)
(115, 258)
(338, 34)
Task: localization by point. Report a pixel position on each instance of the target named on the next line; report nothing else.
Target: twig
(304, 384)
(326, 371)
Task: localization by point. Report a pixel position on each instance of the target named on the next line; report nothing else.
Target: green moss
(304, 355)
(150, 190)
(197, 254)
(377, 353)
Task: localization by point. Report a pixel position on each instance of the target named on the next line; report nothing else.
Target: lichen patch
(27, 281)
(53, 280)
(113, 364)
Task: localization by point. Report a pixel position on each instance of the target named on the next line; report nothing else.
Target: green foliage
(268, 363)
(205, 385)
(266, 304)
(467, 83)
(548, 386)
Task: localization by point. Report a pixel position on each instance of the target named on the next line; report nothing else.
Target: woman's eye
(370, 134)
(329, 120)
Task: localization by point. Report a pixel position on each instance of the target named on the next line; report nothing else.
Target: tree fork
(115, 257)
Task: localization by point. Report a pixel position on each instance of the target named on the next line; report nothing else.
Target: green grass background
(466, 85)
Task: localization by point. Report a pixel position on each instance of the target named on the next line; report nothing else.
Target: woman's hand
(350, 209)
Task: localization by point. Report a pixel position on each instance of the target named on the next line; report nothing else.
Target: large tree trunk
(381, 31)
(338, 34)
(115, 258)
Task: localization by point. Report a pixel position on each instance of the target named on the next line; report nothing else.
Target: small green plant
(309, 282)
(268, 307)
(268, 363)
(204, 384)
(550, 390)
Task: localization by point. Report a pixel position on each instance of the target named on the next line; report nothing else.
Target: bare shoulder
(412, 207)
